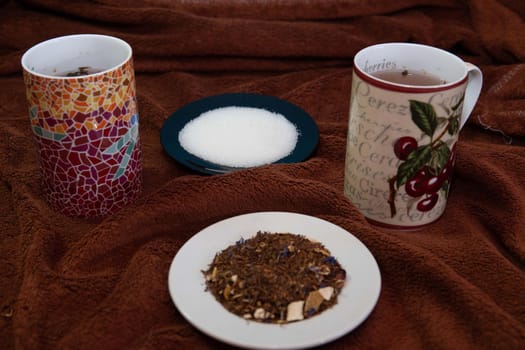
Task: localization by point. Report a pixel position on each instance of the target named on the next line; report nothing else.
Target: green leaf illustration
(424, 116)
(453, 126)
(415, 161)
(439, 157)
(456, 106)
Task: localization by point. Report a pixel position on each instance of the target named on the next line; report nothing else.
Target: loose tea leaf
(275, 278)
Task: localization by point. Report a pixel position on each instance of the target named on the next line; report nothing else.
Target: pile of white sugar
(239, 136)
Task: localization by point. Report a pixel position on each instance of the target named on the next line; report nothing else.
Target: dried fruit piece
(313, 301)
(294, 312)
(326, 292)
(260, 314)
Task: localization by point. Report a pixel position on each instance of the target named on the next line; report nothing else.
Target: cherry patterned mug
(84, 118)
(408, 105)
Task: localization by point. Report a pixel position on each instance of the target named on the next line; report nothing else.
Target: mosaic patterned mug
(84, 117)
(408, 105)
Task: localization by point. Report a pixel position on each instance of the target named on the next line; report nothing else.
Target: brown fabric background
(69, 283)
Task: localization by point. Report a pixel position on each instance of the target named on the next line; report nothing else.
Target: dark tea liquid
(407, 77)
(80, 71)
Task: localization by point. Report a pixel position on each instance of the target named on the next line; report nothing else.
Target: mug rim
(47, 42)
(389, 85)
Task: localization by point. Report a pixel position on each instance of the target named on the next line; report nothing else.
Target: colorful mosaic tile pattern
(86, 131)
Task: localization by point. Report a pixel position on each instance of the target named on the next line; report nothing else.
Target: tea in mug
(80, 71)
(407, 77)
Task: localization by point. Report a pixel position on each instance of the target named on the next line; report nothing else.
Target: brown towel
(70, 283)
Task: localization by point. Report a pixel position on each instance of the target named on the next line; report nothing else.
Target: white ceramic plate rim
(355, 302)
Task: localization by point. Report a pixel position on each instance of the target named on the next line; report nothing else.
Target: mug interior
(412, 57)
(60, 55)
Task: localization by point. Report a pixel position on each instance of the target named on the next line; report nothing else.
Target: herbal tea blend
(404, 76)
(81, 71)
(275, 278)
(239, 136)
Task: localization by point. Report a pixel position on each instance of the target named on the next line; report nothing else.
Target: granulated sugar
(239, 136)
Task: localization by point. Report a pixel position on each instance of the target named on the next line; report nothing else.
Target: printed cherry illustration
(428, 202)
(446, 173)
(423, 173)
(433, 184)
(425, 170)
(404, 146)
(414, 187)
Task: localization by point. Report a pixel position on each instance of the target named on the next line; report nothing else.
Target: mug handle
(474, 84)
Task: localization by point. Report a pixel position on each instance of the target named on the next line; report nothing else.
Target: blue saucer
(169, 135)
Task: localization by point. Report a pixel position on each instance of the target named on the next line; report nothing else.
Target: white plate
(356, 300)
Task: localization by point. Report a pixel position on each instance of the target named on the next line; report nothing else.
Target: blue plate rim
(307, 141)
